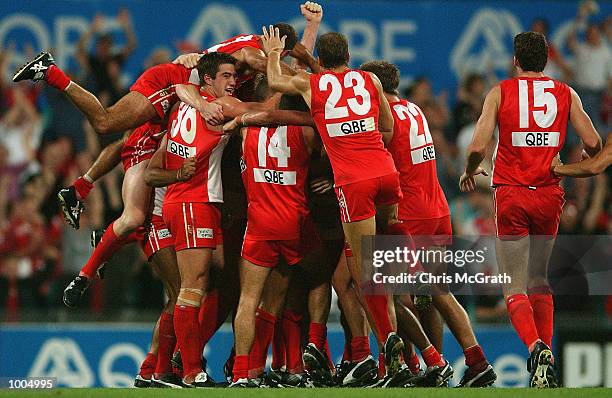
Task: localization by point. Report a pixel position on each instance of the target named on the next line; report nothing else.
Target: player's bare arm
(584, 126)
(586, 168)
(385, 117)
(157, 176)
(189, 94)
(298, 84)
(270, 118)
(482, 136)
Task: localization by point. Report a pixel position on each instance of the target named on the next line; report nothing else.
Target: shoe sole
(67, 214)
(394, 365)
(541, 375)
(68, 304)
(312, 363)
(163, 384)
(17, 76)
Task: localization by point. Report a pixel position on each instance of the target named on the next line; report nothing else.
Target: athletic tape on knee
(190, 297)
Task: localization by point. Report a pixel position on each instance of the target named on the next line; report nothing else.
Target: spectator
(556, 67)
(593, 65)
(105, 63)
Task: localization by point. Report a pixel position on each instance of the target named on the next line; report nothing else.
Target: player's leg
(71, 198)
(291, 325)
(252, 281)
(270, 309)
(147, 368)
(194, 267)
(538, 289)
(136, 197)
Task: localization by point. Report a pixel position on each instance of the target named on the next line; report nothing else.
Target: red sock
(241, 367)
(187, 334)
(167, 341)
(317, 333)
(521, 316)
(381, 366)
(360, 348)
(212, 315)
(264, 329)
(57, 78)
(432, 357)
(474, 355)
(109, 244)
(379, 309)
(148, 366)
(82, 186)
(543, 309)
(414, 364)
(292, 333)
(278, 347)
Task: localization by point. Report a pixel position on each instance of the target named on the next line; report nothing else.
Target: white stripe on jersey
(158, 200)
(214, 183)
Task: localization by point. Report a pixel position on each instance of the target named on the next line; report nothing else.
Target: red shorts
(265, 253)
(522, 211)
(193, 225)
(140, 145)
(158, 85)
(358, 200)
(425, 233)
(159, 237)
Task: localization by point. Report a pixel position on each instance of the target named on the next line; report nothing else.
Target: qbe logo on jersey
(351, 127)
(274, 176)
(535, 138)
(181, 150)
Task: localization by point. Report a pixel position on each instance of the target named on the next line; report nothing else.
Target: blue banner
(100, 355)
(439, 39)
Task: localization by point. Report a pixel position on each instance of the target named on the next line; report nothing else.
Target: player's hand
(272, 41)
(188, 60)
(320, 185)
(212, 113)
(467, 183)
(556, 161)
(187, 170)
(312, 12)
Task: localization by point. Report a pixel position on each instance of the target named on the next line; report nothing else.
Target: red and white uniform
(532, 120)
(345, 108)
(423, 211)
(141, 144)
(159, 82)
(234, 44)
(275, 165)
(158, 236)
(189, 207)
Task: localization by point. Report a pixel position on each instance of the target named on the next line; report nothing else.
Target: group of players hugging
(298, 134)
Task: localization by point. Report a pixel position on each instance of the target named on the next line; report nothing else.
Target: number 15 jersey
(532, 118)
(345, 109)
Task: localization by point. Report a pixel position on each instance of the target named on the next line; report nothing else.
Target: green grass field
(321, 393)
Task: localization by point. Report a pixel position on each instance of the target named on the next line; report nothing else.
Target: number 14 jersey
(345, 109)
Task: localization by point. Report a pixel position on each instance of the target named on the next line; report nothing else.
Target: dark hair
(531, 51)
(332, 49)
(284, 29)
(209, 64)
(261, 90)
(293, 103)
(471, 79)
(387, 73)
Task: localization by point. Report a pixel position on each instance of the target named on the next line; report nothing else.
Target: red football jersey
(190, 137)
(234, 44)
(275, 164)
(345, 109)
(532, 120)
(414, 155)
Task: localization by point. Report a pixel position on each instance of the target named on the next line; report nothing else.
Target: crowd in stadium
(46, 144)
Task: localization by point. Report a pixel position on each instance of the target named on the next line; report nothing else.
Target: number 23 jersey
(345, 108)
